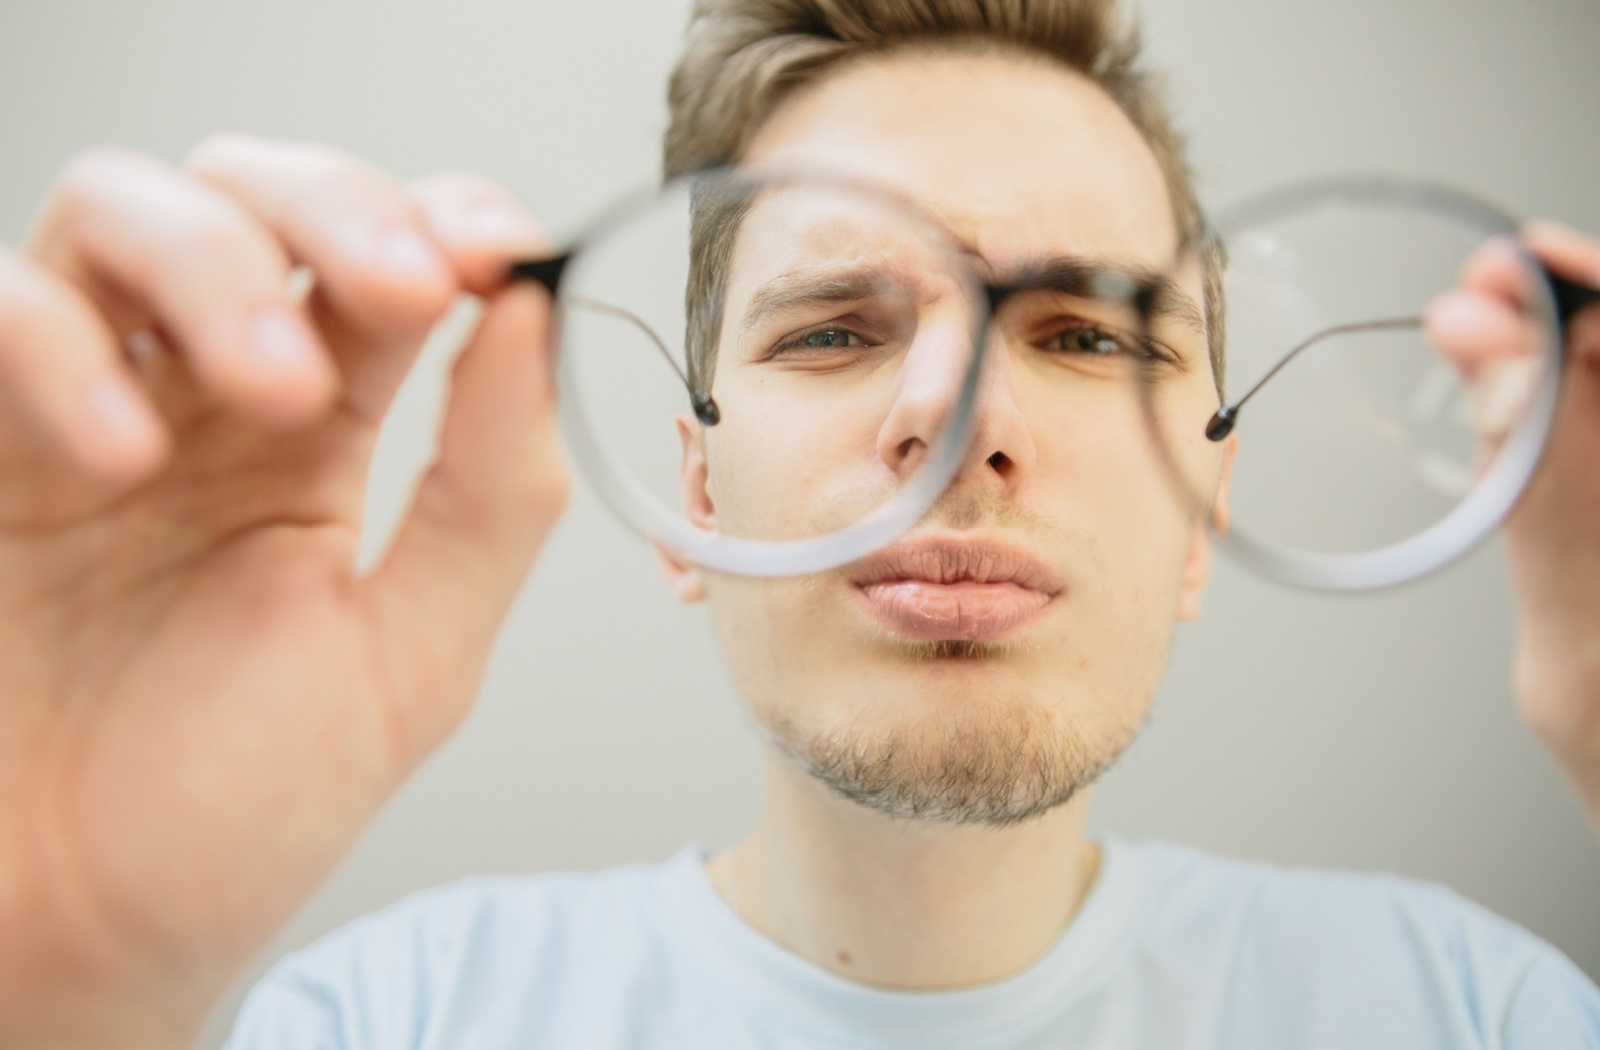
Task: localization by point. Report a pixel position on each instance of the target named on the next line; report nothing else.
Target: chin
(868, 708)
(949, 748)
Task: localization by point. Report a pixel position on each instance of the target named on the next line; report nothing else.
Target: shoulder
(482, 921)
(1333, 907)
(1412, 951)
(388, 977)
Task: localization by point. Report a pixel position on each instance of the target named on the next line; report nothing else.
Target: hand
(201, 703)
(1553, 535)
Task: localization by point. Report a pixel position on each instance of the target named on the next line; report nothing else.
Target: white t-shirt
(1172, 950)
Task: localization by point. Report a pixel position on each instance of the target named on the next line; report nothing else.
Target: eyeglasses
(766, 375)
(776, 375)
(1371, 448)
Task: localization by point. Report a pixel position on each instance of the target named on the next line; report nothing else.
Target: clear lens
(769, 376)
(1373, 444)
(1069, 348)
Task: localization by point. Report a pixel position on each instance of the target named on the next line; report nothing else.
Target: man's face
(1005, 651)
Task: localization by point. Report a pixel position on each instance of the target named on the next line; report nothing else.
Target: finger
(1493, 343)
(64, 381)
(481, 228)
(352, 224)
(1566, 252)
(1488, 322)
(381, 282)
(1472, 327)
(150, 247)
(1501, 268)
(481, 511)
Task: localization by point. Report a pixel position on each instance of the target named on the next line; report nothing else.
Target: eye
(830, 339)
(1081, 339)
(822, 341)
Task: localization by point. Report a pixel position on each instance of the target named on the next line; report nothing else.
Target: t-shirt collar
(795, 994)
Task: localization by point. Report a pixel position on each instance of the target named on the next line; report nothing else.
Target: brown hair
(741, 58)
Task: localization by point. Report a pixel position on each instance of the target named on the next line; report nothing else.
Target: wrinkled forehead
(816, 240)
(1019, 159)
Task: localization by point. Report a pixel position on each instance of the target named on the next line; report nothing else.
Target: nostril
(909, 455)
(1000, 463)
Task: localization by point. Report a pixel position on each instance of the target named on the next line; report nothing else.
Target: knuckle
(322, 160)
(32, 357)
(388, 320)
(459, 186)
(450, 193)
(92, 176)
(22, 322)
(545, 492)
(221, 151)
(30, 305)
(210, 232)
(229, 157)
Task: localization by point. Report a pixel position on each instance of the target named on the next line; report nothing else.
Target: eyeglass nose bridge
(1105, 285)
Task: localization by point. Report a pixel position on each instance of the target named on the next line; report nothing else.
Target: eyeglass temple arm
(1570, 299)
(548, 272)
(1221, 424)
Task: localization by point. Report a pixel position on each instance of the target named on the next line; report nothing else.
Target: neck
(902, 903)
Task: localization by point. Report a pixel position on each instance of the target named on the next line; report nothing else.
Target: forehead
(1021, 157)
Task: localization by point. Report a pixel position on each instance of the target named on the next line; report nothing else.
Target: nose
(1002, 452)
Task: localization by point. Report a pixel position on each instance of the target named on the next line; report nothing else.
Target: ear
(1197, 569)
(684, 576)
(693, 482)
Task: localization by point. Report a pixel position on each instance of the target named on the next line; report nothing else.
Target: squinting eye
(830, 339)
(1086, 341)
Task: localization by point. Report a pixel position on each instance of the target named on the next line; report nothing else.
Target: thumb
(479, 516)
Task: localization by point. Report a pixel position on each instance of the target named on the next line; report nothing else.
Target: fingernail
(1454, 314)
(500, 223)
(298, 286)
(1501, 395)
(405, 251)
(279, 341)
(142, 346)
(116, 409)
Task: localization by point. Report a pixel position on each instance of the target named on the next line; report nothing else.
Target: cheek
(792, 457)
(776, 636)
(1100, 471)
(1099, 477)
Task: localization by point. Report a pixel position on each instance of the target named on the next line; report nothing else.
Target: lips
(954, 588)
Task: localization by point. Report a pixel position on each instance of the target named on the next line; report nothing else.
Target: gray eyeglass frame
(1496, 492)
(633, 504)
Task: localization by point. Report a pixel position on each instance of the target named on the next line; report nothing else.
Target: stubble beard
(995, 763)
(992, 760)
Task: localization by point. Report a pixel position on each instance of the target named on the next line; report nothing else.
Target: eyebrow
(1084, 277)
(1080, 277)
(814, 287)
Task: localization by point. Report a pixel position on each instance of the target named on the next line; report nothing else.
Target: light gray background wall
(1373, 732)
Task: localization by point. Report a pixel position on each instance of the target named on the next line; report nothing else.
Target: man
(204, 704)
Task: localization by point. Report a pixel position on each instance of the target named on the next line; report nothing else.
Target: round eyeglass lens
(1372, 439)
(769, 375)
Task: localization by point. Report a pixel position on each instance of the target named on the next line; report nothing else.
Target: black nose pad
(705, 409)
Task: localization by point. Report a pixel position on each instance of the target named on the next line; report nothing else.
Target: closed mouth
(948, 586)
